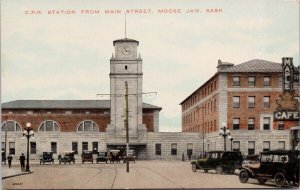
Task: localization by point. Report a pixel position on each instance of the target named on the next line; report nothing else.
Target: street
(143, 174)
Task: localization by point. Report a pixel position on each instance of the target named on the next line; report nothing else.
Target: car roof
(280, 151)
(114, 150)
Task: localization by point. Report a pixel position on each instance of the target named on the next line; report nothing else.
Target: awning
(124, 144)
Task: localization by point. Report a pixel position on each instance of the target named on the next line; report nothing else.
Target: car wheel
(244, 176)
(279, 179)
(194, 167)
(219, 169)
(205, 170)
(261, 181)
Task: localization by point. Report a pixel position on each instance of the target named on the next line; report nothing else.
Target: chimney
(223, 65)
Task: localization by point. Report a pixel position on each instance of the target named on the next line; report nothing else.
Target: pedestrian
(9, 158)
(22, 162)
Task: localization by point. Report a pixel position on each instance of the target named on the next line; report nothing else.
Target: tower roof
(125, 40)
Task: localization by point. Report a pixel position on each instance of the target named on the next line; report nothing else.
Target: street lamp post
(224, 132)
(28, 132)
(231, 139)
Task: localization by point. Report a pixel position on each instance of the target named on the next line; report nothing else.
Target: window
(54, 147)
(266, 102)
(266, 145)
(235, 81)
(125, 67)
(32, 147)
(158, 149)
(251, 81)
(251, 101)
(88, 126)
(266, 158)
(266, 123)
(49, 126)
(236, 101)
(75, 147)
(251, 147)
(189, 150)
(11, 126)
(12, 148)
(95, 147)
(85, 146)
(267, 81)
(280, 125)
(236, 124)
(281, 145)
(251, 122)
(173, 149)
(236, 146)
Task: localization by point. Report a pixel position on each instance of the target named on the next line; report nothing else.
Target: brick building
(97, 125)
(243, 97)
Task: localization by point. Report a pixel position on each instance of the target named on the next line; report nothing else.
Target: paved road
(143, 174)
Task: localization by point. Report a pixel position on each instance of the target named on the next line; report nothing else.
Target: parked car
(280, 165)
(102, 157)
(67, 157)
(87, 156)
(220, 161)
(131, 156)
(47, 157)
(114, 156)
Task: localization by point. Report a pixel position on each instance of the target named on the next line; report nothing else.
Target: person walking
(22, 162)
(9, 158)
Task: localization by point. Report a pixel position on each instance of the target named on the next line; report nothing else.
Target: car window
(266, 158)
(280, 158)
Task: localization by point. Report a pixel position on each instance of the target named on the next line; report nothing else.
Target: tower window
(125, 67)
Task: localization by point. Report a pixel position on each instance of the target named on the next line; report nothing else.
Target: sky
(63, 56)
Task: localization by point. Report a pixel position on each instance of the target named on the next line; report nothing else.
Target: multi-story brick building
(77, 125)
(242, 97)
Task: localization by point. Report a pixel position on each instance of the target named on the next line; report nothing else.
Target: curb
(25, 173)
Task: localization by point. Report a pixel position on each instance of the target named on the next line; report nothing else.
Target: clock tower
(126, 66)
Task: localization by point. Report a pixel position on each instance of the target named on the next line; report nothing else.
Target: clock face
(126, 50)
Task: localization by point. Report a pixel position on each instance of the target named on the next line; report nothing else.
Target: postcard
(147, 94)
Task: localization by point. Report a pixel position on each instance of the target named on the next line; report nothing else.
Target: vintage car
(47, 157)
(131, 156)
(114, 156)
(87, 156)
(282, 166)
(67, 157)
(220, 161)
(102, 157)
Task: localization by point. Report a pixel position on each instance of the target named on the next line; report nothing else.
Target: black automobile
(67, 157)
(282, 166)
(47, 157)
(102, 157)
(87, 156)
(130, 157)
(220, 161)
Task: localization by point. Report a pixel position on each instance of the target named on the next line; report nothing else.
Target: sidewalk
(15, 170)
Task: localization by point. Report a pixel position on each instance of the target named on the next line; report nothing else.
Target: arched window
(11, 126)
(88, 126)
(49, 126)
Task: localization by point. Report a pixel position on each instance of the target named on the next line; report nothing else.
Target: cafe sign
(286, 116)
(288, 106)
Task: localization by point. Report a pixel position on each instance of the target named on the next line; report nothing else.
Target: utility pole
(127, 116)
(127, 135)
